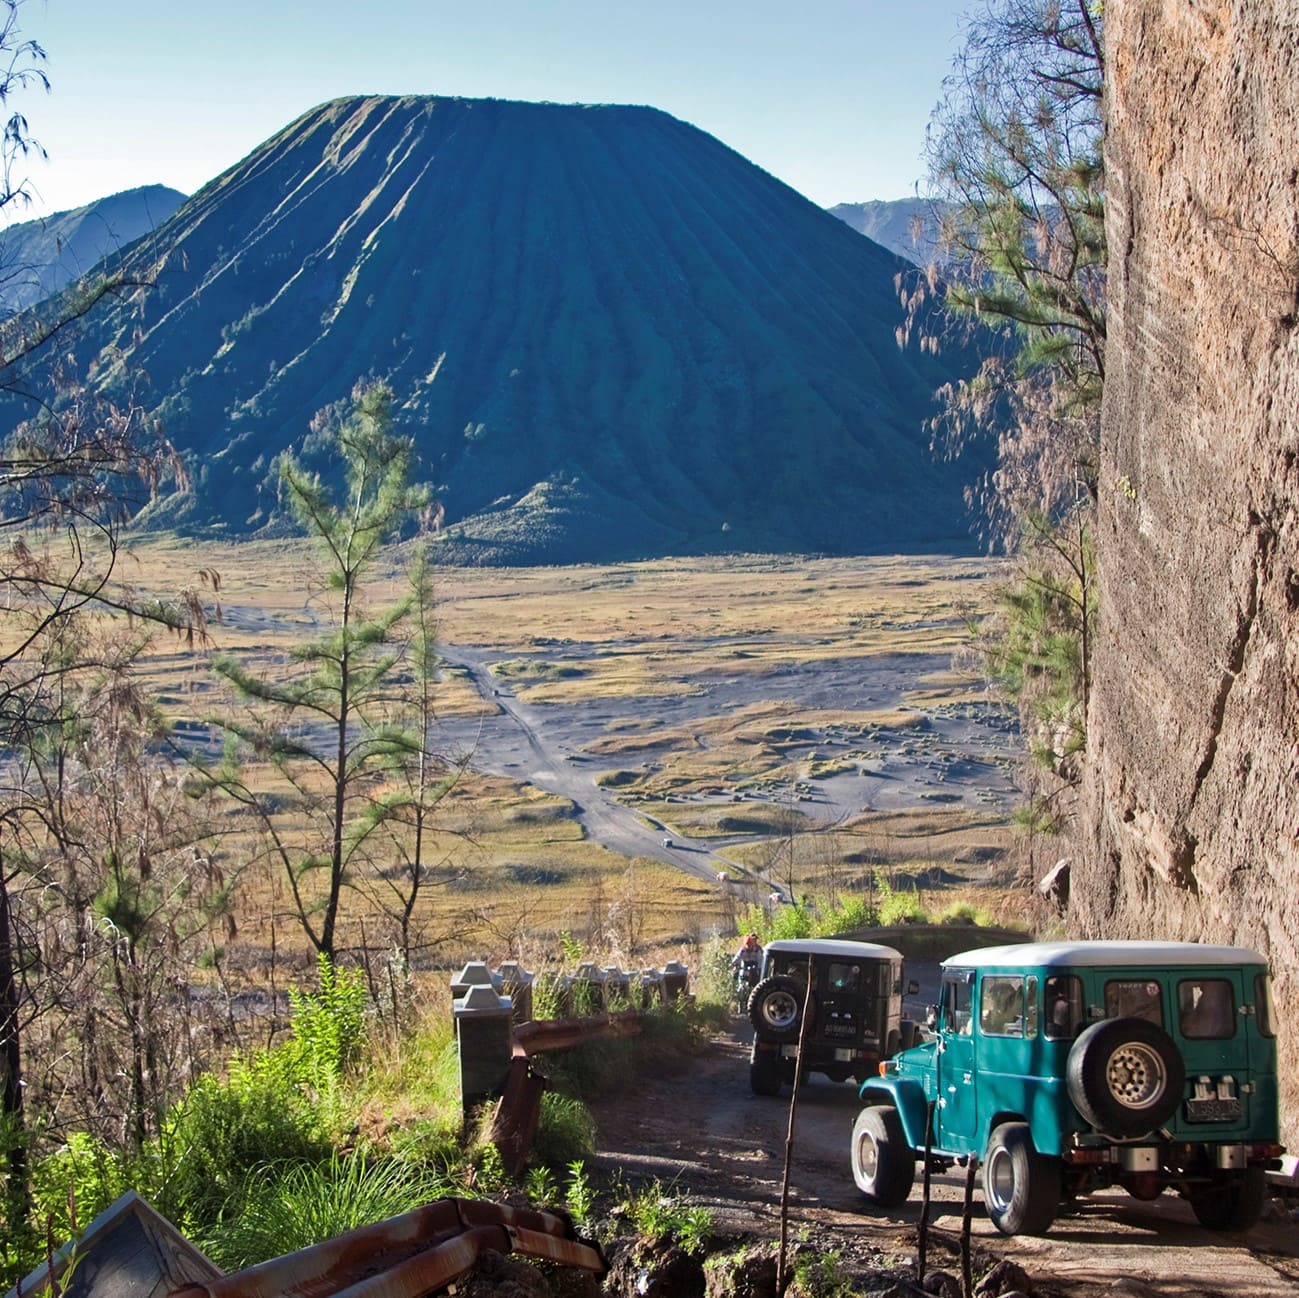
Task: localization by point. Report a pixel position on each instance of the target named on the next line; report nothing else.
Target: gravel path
(703, 1129)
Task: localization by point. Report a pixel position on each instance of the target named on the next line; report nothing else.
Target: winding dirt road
(547, 764)
(702, 1130)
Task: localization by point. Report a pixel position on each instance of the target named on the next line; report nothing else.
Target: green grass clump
(565, 1131)
(281, 1208)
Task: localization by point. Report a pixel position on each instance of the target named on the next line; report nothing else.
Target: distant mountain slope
(40, 257)
(610, 335)
(906, 226)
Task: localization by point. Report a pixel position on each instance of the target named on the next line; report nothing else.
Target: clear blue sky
(831, 96)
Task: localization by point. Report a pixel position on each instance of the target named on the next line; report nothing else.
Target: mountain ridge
(42, 256)
(608, 333)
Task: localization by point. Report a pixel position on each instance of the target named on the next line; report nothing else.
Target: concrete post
(516, 983)
(651, 987)
(474, 974)
(482, 1020)
(675, 978)
(588, 989)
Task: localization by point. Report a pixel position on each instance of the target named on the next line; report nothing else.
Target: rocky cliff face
(1193, 791)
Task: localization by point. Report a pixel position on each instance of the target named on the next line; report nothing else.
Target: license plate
(1213, 1110)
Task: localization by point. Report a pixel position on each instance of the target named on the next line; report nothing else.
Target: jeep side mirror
(931, 1016)
(912, 987)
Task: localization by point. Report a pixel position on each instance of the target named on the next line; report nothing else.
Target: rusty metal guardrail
(409, 1256)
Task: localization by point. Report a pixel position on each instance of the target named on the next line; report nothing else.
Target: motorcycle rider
(746, 963)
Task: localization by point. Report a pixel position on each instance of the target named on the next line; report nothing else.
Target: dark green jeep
(1066, 1067)
(854, 1010)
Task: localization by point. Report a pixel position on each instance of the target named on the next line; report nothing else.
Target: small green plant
(822, 1275)
(658, 1213)
(488, 1176)
(571, 947)
(541, 1187)
(696, 1230)
(579, 1195)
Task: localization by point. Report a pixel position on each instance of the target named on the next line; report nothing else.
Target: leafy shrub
(714, 981)
(851, 914)
(789, 922)
(963, 912)
(898, 907)
(78, 1180)
(223, 1129)
(328, 1028)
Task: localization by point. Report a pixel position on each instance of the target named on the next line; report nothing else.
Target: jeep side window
(842, 977)
(1134, 998)
(1063, 1010)
(1206, 1009)
(1263, 1005)
(1001, 1006)
(956, 1004)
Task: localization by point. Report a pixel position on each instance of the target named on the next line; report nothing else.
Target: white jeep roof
(835, 946)
(1105, 954)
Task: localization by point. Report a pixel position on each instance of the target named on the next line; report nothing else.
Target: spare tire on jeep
(776, 1008)
(1125, 1076)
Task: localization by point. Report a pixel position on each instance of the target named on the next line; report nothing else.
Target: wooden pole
(789, 1135)
(922, 1246)
(967, 1269)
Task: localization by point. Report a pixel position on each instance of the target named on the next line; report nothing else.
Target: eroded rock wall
(1192, 796)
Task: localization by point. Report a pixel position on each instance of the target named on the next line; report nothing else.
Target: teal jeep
(1066, 1067)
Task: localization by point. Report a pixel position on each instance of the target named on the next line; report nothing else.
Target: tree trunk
(18, 1190)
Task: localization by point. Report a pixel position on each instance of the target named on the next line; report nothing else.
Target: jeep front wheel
(1125, 1076)
(883, 1164)
(776, 1007)
(1021, 1188)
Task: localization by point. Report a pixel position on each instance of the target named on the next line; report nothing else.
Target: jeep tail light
(1266, 1151)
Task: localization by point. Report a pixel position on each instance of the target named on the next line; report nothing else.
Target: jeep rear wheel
(1234, 1201)
(1125, 1076)
(1021, 1188)
(883, 1164)
(765, 1070)
(776, 1008)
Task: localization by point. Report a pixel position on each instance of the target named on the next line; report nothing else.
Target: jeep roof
(1105, 954)
(840, 946)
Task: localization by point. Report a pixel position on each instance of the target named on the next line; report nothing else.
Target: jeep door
(955, 1116)
(1212, 1031)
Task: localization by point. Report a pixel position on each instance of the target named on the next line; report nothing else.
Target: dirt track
(703, 1130)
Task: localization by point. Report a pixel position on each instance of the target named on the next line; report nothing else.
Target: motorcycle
(746, 979)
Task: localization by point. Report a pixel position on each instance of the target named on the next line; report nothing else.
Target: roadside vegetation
(345, 1122)
(1016, 168)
